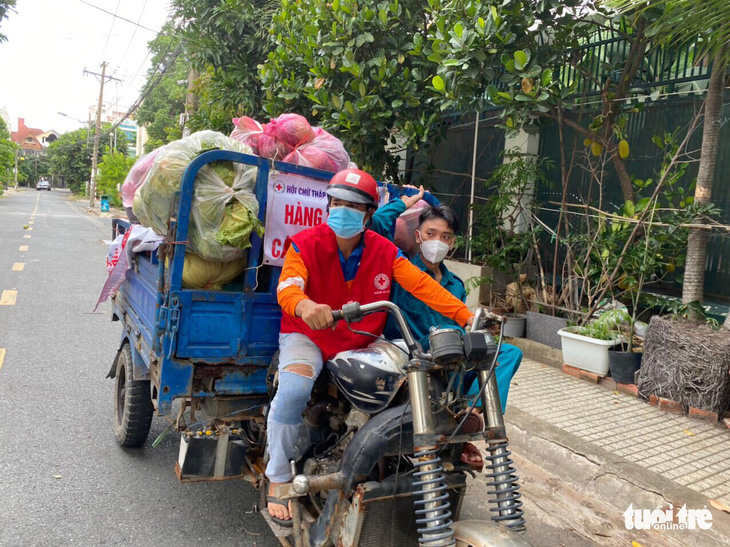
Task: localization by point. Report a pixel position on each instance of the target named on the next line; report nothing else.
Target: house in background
(30, 138)
(128, 127)
(48, 137)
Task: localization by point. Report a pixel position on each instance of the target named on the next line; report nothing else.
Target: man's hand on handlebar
(470, 321)
(316, 316)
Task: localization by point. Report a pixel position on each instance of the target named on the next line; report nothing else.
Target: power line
(151, 84)
(131, 40)
(116, 16)
(114, 20)
(149, 52)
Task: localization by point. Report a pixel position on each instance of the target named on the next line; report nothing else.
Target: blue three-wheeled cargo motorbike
(374, 468)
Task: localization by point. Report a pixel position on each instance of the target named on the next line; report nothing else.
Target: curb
(550, 356)
(610, 478)
(538, 352)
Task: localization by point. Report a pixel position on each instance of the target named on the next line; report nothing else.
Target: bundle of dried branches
(687, 362)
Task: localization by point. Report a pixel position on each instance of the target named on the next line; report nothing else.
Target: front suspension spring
(503, 487)
(433, 514)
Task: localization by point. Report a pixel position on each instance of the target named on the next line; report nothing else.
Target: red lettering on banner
(276, 248)
(296, 215)
(289, 214)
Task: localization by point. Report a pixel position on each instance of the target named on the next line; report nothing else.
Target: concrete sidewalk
(618, 448)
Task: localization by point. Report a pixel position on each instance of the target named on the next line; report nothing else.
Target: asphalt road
(63, 479)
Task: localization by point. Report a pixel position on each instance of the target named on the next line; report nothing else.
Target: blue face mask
(346, 222)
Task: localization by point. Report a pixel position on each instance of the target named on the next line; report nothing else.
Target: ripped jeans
(300, 362)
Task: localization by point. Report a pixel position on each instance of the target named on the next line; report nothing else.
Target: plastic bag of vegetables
(206, 274)
(224, 210)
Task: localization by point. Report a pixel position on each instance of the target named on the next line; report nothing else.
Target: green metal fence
(671, 70)
(446, 168)
(644, 162)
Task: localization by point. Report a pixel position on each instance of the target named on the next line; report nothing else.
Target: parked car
(43, 185)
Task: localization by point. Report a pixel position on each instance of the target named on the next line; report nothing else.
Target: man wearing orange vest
(324, 268)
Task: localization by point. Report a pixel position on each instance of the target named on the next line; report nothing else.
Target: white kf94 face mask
(434, 250)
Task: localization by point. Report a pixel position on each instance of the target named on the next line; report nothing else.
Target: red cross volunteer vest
(326, 285)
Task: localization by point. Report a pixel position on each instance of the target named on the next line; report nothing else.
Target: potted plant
(624, 359)
(587, 347)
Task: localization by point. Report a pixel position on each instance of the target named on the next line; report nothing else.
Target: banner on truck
(294, 203)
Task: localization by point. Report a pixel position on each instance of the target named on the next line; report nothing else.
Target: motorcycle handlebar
(354, 311)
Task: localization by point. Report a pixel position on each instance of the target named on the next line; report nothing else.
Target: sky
(51, 42)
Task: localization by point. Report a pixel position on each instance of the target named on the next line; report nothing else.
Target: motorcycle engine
(330, 463)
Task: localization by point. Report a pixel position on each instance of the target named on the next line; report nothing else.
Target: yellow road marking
(18, 266)
(2, 357)
(31, 222)
(8, 298)
(26, 237)
(23, 248)
(29, 228)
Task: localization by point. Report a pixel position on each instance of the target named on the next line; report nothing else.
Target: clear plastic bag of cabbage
(224, 211)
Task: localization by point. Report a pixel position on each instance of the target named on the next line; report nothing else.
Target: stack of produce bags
(290, 138)
(224, 210)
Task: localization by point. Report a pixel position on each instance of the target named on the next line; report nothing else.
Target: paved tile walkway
(690, 452)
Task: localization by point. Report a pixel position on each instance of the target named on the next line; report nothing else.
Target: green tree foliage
(160, 111)
(8, 150)
(378, 73)
(70, 155)
(71, 158)
(225, 42)
(34, 166)
(113, 169)
(362, 73)
(6, 6)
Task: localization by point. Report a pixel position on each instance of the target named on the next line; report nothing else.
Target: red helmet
(355, 186)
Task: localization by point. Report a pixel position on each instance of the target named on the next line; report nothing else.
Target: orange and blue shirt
(295, 277)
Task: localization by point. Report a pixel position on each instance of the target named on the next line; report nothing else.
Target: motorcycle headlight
(446, 346)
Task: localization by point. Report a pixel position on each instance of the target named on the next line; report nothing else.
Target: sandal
(470, 450)
(288, 523)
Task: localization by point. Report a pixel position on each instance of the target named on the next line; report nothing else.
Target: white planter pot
(584, 352)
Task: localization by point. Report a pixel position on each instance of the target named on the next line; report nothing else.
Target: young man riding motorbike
(324, 268)
(435, 235)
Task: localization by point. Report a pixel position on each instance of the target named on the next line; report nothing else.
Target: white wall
(466, 271)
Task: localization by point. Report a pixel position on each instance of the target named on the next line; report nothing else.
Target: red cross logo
(279, 187)
(382, 282)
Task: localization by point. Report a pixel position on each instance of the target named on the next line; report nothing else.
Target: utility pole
(16, 170)
(95, 156)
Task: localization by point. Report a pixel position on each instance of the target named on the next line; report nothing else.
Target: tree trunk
(694, 272)
(627, 188)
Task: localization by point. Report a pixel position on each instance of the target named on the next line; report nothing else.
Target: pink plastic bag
(291, 129)
(311, 156)
(324, 152)
(271, 148)
(247, 130)
(406, 226)
(136, 176)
